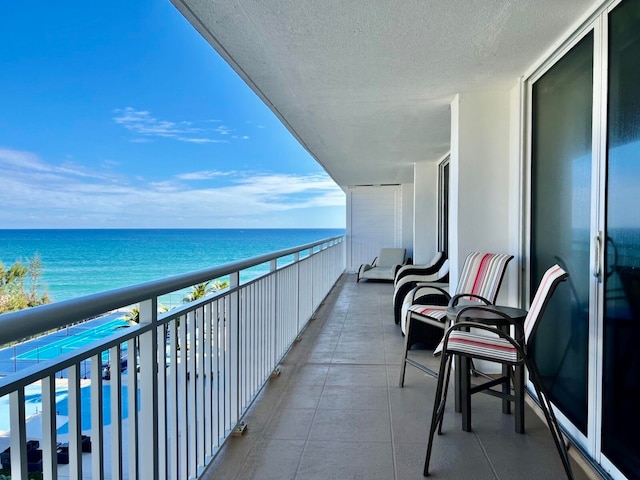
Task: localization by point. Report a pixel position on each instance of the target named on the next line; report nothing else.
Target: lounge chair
(384, 266)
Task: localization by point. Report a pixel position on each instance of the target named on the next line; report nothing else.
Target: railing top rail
(16, 326)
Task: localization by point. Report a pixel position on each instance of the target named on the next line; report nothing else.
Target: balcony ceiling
(365, 85)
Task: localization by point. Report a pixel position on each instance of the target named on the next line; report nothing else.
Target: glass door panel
(562, 101)
(621, 357)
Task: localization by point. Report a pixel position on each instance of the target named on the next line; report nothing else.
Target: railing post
(296, 259)
(18, 439)
(116, 413)
(273, 267)
(49, 447)
(97, 419)
(75, 422)
(234, 345)
(132, 403)
(149, 466)
(312, 286)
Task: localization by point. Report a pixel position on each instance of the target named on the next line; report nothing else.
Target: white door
(374, 221)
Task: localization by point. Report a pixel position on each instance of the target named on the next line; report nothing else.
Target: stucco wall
(425, 218)
(407, 218)
(480, 179)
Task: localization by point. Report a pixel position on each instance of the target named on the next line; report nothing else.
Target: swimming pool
(77, 338)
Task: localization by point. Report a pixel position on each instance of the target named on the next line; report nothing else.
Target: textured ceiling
(365, 85)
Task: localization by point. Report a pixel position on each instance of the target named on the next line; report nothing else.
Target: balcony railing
(192, 371)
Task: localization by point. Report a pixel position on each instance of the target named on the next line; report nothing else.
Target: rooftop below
(336, 410)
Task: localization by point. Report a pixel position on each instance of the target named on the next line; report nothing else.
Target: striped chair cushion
(482, 274)
(432, 311)
(491, 348)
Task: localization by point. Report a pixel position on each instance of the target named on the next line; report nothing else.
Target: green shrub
(20, 286)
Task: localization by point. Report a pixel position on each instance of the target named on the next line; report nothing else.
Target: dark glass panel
(621, 381)
(561, 206)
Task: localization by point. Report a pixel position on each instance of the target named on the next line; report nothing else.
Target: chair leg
(446, 390)
(552, 422)
(438, 409)
(403, 364)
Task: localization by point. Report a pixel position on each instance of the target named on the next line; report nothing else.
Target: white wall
(425, 217)
(407, 218)
(374, 221)
(480, 167)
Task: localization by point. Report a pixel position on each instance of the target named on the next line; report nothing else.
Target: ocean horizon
(79, 262)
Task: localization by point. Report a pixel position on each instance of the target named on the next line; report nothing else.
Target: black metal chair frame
(523, 359)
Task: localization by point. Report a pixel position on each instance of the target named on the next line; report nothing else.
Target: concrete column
(480, 168)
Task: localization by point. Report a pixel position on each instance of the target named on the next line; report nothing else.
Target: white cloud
(142, 123)
(39, 194)
(223, 130)
(203, 175)
(201, 140)
(17, 161)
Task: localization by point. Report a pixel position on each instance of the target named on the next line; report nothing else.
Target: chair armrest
(454, 300)
(363, 268)
(485, 308)
(480, 326)
(424, 289)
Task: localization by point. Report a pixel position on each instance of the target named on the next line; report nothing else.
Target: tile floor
(336, 411)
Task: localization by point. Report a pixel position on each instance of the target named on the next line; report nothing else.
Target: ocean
(81, 262)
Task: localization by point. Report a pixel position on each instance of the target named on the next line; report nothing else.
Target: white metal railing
(191, 372)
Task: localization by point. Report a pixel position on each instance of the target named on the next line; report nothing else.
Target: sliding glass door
(621, 355)
(585, 215)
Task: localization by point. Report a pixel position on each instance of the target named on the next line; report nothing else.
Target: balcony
(336, 410)
(289, 375)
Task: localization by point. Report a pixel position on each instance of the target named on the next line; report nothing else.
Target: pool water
(33, 406)
(74, 340)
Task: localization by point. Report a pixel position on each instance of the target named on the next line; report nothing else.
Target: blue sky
(119, 115)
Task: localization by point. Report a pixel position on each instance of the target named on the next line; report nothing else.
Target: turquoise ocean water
(82, 262)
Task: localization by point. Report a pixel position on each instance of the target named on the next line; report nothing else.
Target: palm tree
(133, 314)
(202, 289)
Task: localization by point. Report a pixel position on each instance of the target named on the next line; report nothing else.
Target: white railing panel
(172, 402)
(208, 385)
(200, 386)
(182, 415)
(191, 373)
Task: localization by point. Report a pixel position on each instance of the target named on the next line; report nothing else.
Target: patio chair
(503, 349)
(409, 276)
(384, 266)
(479, 282)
